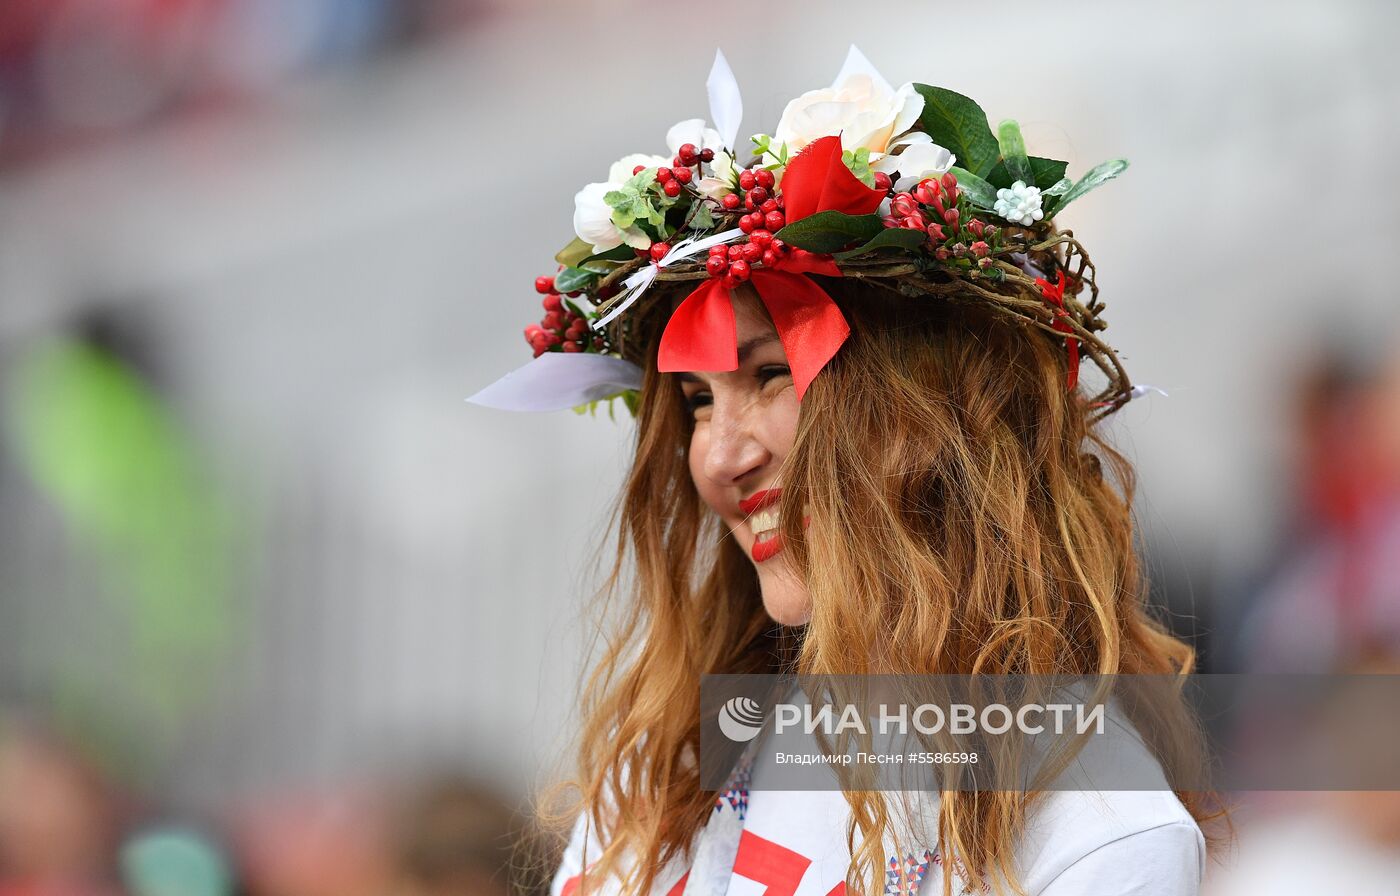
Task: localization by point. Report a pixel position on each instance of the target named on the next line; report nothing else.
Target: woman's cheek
(781, 423)
(699, 446)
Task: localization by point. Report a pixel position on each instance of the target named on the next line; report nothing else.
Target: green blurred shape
(104, 449)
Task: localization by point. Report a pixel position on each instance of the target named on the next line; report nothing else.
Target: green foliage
(959, 125)
(830, 232)
(1098, 176)
(1044, 173)
(574, 280)
(978, 191)
(889, 238)
(701, 216)
(1013, 151)
(616, 253)
(631, 400)
(772, 158)
(638, 200)
(858, 161)
(575, 253)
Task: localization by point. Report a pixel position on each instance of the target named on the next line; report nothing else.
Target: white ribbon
(857, 64)
(726, 103)
(558, 380)
(1141, 390)
(641, 280)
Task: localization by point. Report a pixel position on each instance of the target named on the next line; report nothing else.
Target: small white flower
(1019, 204)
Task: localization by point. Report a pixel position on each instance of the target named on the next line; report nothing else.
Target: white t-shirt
(1075, 843)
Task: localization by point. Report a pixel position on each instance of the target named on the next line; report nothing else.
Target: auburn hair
(996, 537)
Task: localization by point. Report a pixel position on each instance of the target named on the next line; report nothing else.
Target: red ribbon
(1055, 295)
(816, 180)
(700, 334)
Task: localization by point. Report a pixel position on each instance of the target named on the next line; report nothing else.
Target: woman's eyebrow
(749, 345)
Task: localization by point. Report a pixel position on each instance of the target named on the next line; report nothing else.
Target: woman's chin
(786, 600)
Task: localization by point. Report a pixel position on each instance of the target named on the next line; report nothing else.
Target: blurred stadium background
(280, 614)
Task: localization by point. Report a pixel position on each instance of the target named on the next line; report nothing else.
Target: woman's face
(745, 422)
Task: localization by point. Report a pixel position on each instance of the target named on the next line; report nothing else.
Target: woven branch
(1010, 292)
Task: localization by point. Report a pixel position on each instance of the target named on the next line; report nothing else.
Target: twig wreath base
(1005, 288)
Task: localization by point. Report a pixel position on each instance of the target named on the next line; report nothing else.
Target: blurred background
(280, 614)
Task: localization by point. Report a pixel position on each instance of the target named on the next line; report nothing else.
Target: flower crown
(909, 188)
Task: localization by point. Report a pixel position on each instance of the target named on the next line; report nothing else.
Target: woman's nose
(735, 450)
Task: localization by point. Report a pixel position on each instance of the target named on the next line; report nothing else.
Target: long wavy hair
(996, 536)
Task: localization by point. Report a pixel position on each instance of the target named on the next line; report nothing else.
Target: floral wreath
(908, 188)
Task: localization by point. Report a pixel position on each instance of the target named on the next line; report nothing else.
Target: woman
(878, 466)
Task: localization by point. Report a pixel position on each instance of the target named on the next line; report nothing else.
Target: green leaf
(1013, 151)
(654, 216)
(1045, 173)
(617, 253)
(830, 231)
(889, 238)
(640, 181)
(631, 400)
(575, 253)
(702, 218)
(982, 194)
(574, 280)
(859, 163)
(1059, 188)
(960, 126)
(1099, 175)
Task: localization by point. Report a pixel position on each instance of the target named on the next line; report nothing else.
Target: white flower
(917, 161)
(863, 110)
(1019, 204)
(724, 177)
(593, 216)
(694, 131)
(621, 171)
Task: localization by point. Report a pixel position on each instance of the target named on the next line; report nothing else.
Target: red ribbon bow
(1055, 295)
(700, 334)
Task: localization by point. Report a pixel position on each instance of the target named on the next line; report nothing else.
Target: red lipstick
(767, 549)
(759, 500)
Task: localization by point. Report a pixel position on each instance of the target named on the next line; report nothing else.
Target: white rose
(593, 216)
(621, 171)
(916, 162)
(862, 109)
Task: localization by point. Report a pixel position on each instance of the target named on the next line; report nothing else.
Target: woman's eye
(773, 371)
(696, 401)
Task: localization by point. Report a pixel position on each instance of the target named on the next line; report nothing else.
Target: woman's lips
(759, 500)
(763, 520)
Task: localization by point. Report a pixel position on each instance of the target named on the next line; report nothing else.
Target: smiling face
(745, 423)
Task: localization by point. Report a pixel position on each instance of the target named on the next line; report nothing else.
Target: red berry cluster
(684, 168)
(562, 328)
(763, 217)
(936, 206)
